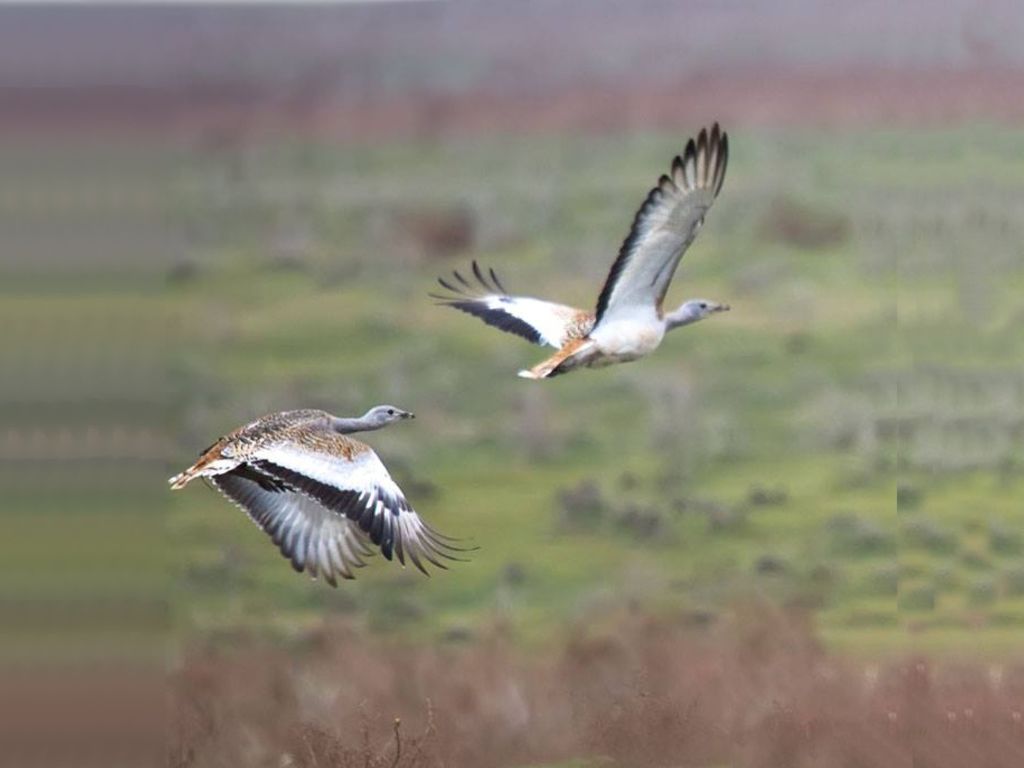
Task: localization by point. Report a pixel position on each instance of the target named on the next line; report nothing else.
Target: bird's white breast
(629, 337)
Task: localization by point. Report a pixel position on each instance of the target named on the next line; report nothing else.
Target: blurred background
(792, 537)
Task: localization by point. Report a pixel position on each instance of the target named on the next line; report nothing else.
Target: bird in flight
(629, 321)
(325, 499)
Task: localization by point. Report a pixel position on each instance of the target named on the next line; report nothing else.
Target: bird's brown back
(307, 428)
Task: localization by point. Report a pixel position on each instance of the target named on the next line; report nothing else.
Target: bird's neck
(682, 316)
(348, 426)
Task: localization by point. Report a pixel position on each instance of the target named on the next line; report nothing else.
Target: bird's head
(692, 310)
(382, 415)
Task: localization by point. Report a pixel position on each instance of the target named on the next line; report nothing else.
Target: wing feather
(310, 536)
(665, 225)
(358, 488)
(537, 321)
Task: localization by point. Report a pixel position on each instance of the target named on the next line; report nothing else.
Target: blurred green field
(871, 355)
(759, 453)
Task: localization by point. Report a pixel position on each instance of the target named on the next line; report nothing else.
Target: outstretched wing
(313, 538)
(348, 479)
(664, 227)
(542, 322)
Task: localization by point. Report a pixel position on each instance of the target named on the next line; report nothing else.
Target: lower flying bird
(629, 321)
(325, 499)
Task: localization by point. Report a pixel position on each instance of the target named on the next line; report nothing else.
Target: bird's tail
(211, 462)
(576, 353)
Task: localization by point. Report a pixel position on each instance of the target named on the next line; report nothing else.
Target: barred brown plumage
(325, 499)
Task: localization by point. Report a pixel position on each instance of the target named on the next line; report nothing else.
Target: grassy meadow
(793, 537)
(845, 441)
(790, 537)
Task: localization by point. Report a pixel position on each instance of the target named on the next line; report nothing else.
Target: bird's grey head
(382, 415)
(693, 310)
(701, 308)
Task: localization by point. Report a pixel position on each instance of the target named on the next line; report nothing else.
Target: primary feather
(538, 321)
(664, 227)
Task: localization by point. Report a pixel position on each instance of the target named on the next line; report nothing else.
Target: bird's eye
(391, 411)
(703, 305)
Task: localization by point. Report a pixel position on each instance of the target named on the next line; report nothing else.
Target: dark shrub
(722, 519)
(641, 522)
(802, 226)
(759, 496)
(927, 534)
(628, 481)
(944, 577)
(770, 565)
(972, 558)
(982, 591)
(883, 580)
(908, 497)
(437, 232)
(1013, 580)
(917, 598)
(458, 634)
(824, 573)
(797, 343)
(1003, 540)
(581, 507)
(513, 573)
(850, 535)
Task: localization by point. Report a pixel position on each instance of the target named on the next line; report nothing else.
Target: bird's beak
(724, 307)
(407, 415)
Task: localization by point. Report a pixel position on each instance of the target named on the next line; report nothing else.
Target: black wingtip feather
(703, 173)
(415, 559)
(445, 284)
(449, 542)
(497, 282)
(717, 178)
(387, 538)
(488, 280)
(479, 276)
(723, 161)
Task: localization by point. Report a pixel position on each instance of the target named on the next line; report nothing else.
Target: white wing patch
(541, 322)
(360, 489)
(361, 473)
(664, 227)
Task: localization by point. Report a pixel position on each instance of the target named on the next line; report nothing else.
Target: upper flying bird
(326, 499)
(629, 321)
